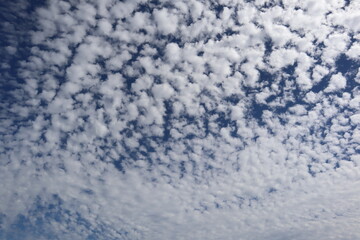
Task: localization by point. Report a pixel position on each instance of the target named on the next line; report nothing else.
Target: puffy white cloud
(104, 26)
(173, 52)
(162, 91)
(319, 72)
(140, 20)
(166, 22)
(86, 12)
(335, 44)
(347, 17)
(283, 57)
(132, 111)
(159, 120)
(355, 118)
(337, 82)
(354, 51)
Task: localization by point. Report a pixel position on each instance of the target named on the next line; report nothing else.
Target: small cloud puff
(336, 83)
(166, 21)
(162, 91)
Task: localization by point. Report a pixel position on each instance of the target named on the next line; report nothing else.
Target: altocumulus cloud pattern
(189, 119)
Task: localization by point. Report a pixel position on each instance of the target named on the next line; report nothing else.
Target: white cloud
(162, 91)
(105, 26)
(175, 120)
(86, 12)
(354, 51)
(166, 22)
(173, 52)
(283, 57)
(132, 111)
(140, 20)
(337, 82)
(355, 118)
(347, 17)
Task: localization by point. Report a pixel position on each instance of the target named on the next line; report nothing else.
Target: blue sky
(180, 119)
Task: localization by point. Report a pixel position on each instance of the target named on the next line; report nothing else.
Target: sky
(188, 119)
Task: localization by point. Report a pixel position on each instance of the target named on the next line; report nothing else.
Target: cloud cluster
(183, 120)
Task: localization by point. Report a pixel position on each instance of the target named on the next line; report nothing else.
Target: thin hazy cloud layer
(180, 120)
